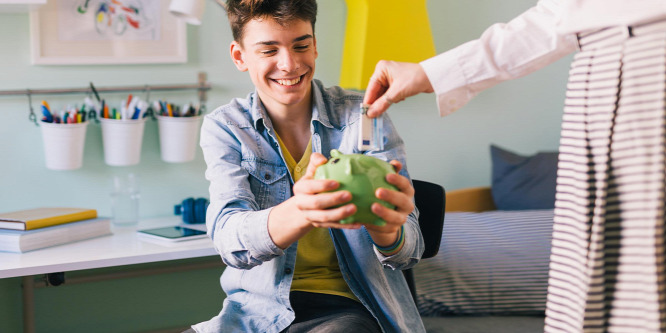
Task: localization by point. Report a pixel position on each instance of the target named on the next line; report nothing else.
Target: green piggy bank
(361, 175)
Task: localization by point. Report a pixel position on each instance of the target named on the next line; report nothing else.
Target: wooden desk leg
(28, 304)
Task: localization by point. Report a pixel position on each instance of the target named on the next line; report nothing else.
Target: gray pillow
(523, 182)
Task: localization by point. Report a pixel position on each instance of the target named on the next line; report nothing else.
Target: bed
(491, 272)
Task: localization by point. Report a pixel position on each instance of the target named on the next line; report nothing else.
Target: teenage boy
(291, 267)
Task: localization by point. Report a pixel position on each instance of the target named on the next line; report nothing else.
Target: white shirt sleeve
(504, 51)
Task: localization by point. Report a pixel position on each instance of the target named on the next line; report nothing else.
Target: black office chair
(430, 199)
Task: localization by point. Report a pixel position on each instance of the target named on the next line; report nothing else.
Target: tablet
(173, 234)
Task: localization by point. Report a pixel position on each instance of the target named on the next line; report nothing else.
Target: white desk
(124, 247)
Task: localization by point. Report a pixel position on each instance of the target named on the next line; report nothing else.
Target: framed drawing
(86, 32)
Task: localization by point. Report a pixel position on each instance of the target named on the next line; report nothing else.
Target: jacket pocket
(268, 181)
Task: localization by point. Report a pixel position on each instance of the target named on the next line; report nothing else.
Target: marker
(137, 112)
(157, 107)
(142, 108)
(73, 116)
(132, 111)
(48, 117)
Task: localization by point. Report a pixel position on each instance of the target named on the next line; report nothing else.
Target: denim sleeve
(235, 222)
(410, 254)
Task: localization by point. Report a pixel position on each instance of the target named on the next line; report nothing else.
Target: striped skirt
(607, 258)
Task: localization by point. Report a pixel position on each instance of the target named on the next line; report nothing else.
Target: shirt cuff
(256, 237)
(448, 80)
(403, 258)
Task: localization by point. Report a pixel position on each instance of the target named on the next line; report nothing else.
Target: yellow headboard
(473, 199)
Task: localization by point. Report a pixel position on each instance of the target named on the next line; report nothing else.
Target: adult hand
(392, 82)
(402, 199)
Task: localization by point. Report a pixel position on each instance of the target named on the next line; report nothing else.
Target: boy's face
(280, 60)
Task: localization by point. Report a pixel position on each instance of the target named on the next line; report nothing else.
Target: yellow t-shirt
(317, 268)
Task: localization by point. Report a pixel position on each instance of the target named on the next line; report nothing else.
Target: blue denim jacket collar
(260, 115)
(318, 104)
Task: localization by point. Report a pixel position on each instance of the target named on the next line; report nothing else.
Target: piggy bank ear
(335, 153)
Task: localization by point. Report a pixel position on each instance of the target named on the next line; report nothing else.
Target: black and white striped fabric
(607, 261)
(488, 263)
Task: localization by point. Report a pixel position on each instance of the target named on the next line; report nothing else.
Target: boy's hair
(240, 12)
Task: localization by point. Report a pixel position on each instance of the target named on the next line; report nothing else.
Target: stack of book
(32, 229)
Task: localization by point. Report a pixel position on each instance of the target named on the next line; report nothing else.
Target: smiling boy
(291, 266)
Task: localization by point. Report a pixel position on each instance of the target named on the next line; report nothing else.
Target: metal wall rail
(202, 87)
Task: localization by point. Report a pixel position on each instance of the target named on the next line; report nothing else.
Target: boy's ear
(237, 54)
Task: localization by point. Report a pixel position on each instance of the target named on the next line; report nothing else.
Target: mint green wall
(523, 115)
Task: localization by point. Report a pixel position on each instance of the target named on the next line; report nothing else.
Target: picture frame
(63, 32)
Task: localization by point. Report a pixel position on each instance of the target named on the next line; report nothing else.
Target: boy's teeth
(289, 82)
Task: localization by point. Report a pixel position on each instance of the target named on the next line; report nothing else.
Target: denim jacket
(248, 176)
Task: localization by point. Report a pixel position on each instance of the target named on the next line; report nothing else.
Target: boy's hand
(395, 218)
(315, 205)
(310, 207)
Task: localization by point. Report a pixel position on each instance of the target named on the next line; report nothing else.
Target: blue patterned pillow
(523, 182)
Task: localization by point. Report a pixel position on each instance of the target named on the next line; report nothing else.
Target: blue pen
(47, 115)
(46, 112)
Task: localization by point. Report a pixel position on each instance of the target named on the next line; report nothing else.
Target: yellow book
(44, 217)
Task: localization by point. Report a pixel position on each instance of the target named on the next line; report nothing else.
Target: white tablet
(173, 234)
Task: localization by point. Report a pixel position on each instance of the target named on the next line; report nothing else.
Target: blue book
(28, 240)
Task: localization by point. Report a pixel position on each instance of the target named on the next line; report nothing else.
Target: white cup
(122, 141)
(63, 145)
(178, 137)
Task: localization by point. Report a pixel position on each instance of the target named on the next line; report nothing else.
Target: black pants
(323, 313)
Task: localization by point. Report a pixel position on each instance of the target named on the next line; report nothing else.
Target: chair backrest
(430, 199)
